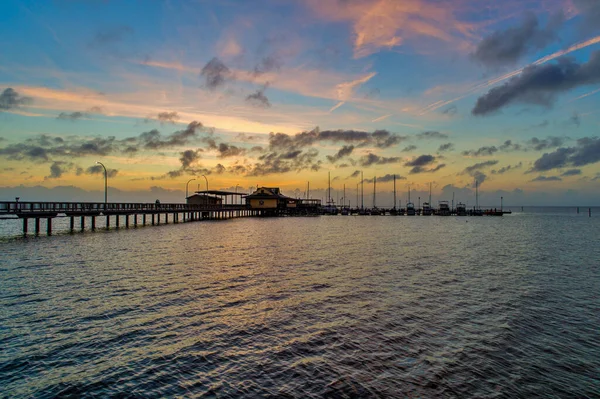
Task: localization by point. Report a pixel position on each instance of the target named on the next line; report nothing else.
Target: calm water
(306, 307)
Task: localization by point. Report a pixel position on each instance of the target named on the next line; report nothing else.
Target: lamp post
(236, 186)
(186, 188)
(206, 182)
(105, 181)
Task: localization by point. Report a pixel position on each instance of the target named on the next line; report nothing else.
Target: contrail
(585, 95)
(491, 82)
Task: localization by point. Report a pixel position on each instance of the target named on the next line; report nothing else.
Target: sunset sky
(281, 92)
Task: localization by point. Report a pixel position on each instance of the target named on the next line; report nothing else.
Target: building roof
(269, 194)
(219, 192)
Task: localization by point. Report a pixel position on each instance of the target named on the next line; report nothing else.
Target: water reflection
(306, 307)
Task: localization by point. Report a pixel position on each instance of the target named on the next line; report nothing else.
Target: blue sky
(283, 92)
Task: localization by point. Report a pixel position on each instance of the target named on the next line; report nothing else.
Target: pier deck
(38, 210)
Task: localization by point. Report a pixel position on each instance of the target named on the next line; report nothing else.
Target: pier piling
(25, 226)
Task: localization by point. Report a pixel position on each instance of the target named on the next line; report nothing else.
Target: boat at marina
(426, 211)
(410, 209)
(461, 209)
(443, 209)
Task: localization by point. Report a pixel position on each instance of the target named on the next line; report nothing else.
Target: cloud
(479, 166)
(446, 147)
(99, 170)
(258, 99)
(421, 169)
(278, 163)
(372, 159)
(409, 148)
(587, 151)
(575, 119)
(10, 99)
(478, 177)
(354, 174)
(22, 151)
(110, 36)
(378, 138)
(547, 143)
(509, 146)
(57, 169)
(170, 117)
(189, 158)
(450, 111)
(154, 140)
(419, 164)
(344, 90)
(421, 160)
(572, 172)
(590, 12)
(386, 24)
(227, 150)
(476, 171)
(506, 47)
(546, 178)
(482, 151)
(539, 84)
(73, 116)
(343, 152)
(386, 178)
(507, 168)
(268, 64)
(215, 73)
(549, 161)
(44, 147)
(432, 135)
(96, 110)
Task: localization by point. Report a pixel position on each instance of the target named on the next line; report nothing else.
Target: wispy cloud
(385, 24)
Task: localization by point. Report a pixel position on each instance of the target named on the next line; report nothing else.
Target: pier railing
(13, 207)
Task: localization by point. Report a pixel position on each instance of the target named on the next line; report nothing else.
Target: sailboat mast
(362, 191)
(429, 194)
(329, 189)
(476, 194)
(394, 191)
(344, 197)
(409, 193)
(374, 191)
(308, 191)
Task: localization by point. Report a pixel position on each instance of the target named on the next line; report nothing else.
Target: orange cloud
(390, 23)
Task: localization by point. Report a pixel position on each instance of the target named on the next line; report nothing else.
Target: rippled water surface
(306, 307)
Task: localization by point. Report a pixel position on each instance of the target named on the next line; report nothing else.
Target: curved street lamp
(186, 188)
(206, 182)
(105, 181)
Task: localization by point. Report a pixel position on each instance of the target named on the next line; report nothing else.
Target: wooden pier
(80, 213)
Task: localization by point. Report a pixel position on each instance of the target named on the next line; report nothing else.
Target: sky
(286, 93)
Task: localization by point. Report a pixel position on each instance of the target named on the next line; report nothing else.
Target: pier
(131, 214)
